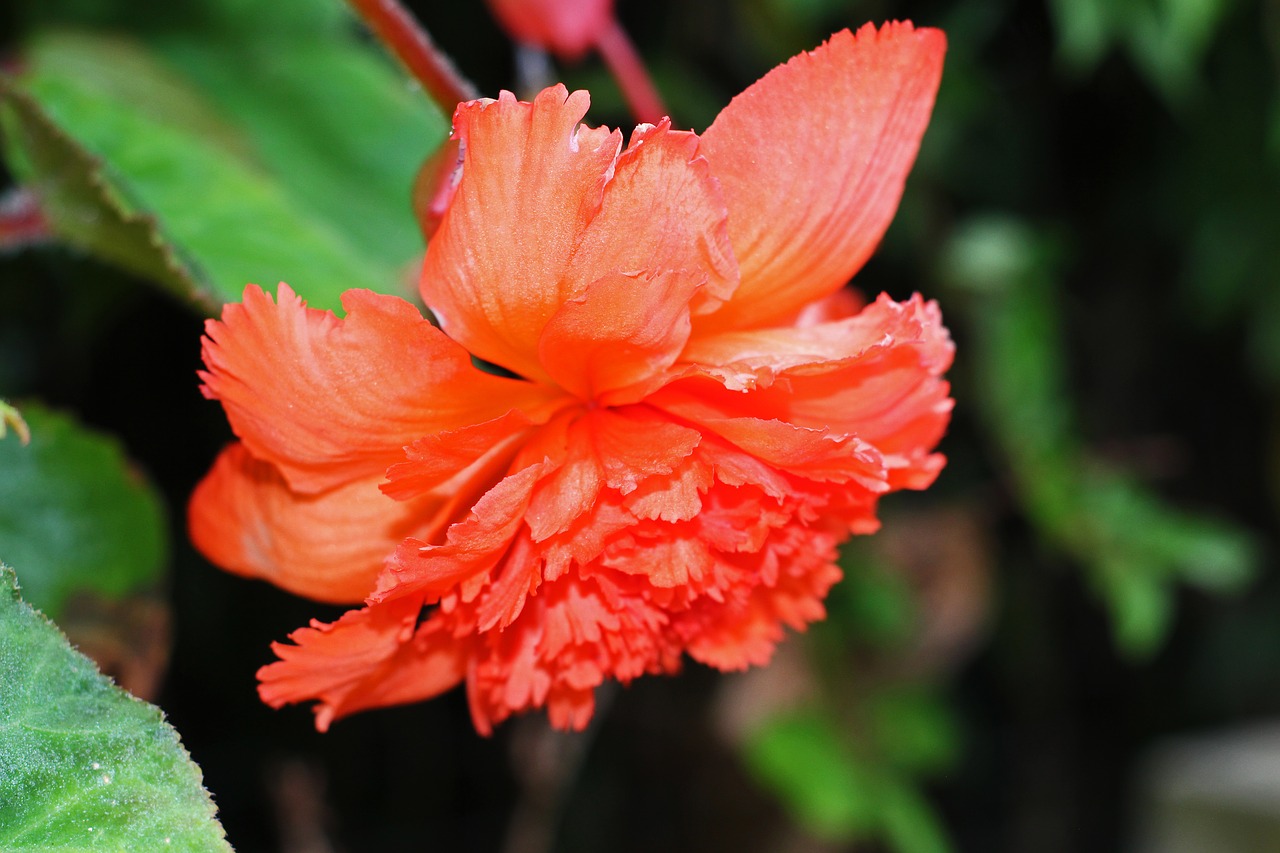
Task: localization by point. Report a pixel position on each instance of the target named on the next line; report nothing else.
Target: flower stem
(397, 29)
(628, 69)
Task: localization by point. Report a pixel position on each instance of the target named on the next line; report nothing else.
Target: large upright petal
(532, 178)
(330, 400)
(813, 159)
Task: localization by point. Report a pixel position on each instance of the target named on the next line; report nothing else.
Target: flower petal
(368, 658)
(662, 211)
(472, 548)
(657, 250)
(614, 342)
(329, 546)
(813, 159)
(876, 375)
(331, 400)
(817, 453)
(434, 460)
(532, 179)
(748, 360)
(614, 448)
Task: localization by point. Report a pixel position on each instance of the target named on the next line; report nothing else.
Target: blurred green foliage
(1135, 548)
(76, 515)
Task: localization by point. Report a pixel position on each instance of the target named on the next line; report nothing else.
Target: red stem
(620, 55)
(22, 222)
(397, 29)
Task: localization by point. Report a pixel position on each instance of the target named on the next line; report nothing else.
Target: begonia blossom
(693, 413)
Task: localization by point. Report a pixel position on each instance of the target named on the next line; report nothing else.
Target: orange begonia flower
(702, 414)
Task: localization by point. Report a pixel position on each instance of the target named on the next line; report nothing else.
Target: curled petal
(813, 159)
(632, 244)
(368, 658)
(435, 461)
(329, 400)
(816, 453)
(876, 375)
(741, 633)
(329, 545)
(616, 449)
(745, 360)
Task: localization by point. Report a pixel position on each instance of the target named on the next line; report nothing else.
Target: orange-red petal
(532, 179)
(329, 545)
(368, 658)
(473, 545)
(662, 211)
(813, 159)
(630, 245)
(657, 250)
(615, 341)
(876, 375)
(329, 400)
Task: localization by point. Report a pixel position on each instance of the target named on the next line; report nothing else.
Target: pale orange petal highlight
(330, 545)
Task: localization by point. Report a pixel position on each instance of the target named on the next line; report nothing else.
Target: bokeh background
(1070, 643)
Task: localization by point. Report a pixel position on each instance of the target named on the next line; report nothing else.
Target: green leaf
(84, 765)
(873, 605)
(298, 172)
(802, 758)
(1166, 39)
(82, 205)
(910, 825)
(335, 125)
(913, 729)
(75, 515)
(807, 761)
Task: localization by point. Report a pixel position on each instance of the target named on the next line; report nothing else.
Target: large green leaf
(84, 765)
(335, 124)
(82, 204)
(300, 171)
(75, 515)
